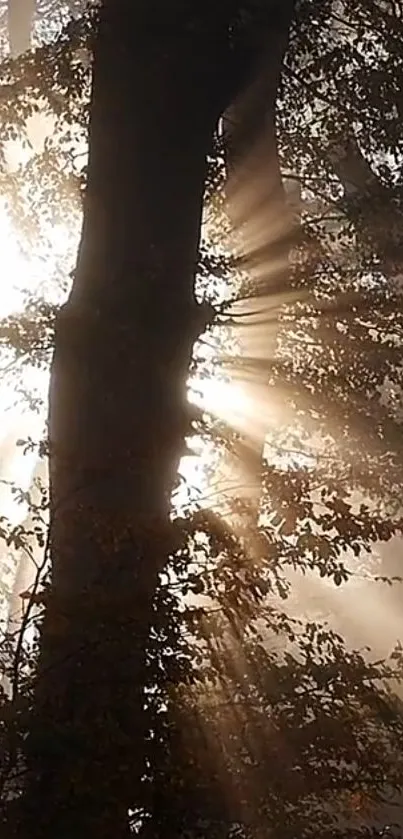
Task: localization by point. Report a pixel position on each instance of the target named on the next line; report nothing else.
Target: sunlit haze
(236, 396)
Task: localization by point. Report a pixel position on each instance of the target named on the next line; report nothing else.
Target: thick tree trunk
(118, 415)
(117, 421)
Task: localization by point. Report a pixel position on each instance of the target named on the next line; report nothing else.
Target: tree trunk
(118, 408)
(117, 421)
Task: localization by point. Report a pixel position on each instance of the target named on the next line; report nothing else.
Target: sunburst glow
(16, 272)
(241, 399)
(21, 277)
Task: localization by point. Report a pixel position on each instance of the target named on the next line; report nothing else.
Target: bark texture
(117, 419)
(163, 74)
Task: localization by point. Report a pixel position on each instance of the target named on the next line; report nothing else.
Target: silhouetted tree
(162, 76)
(309, 716)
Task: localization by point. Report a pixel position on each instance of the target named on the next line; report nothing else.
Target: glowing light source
(15, 267)
(22, 276)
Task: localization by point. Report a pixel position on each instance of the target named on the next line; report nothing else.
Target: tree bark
(118, 408)
(117, 420)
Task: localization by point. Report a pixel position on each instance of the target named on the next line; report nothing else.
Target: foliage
(259, 719)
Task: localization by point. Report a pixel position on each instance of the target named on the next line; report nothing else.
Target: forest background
(271, 676)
